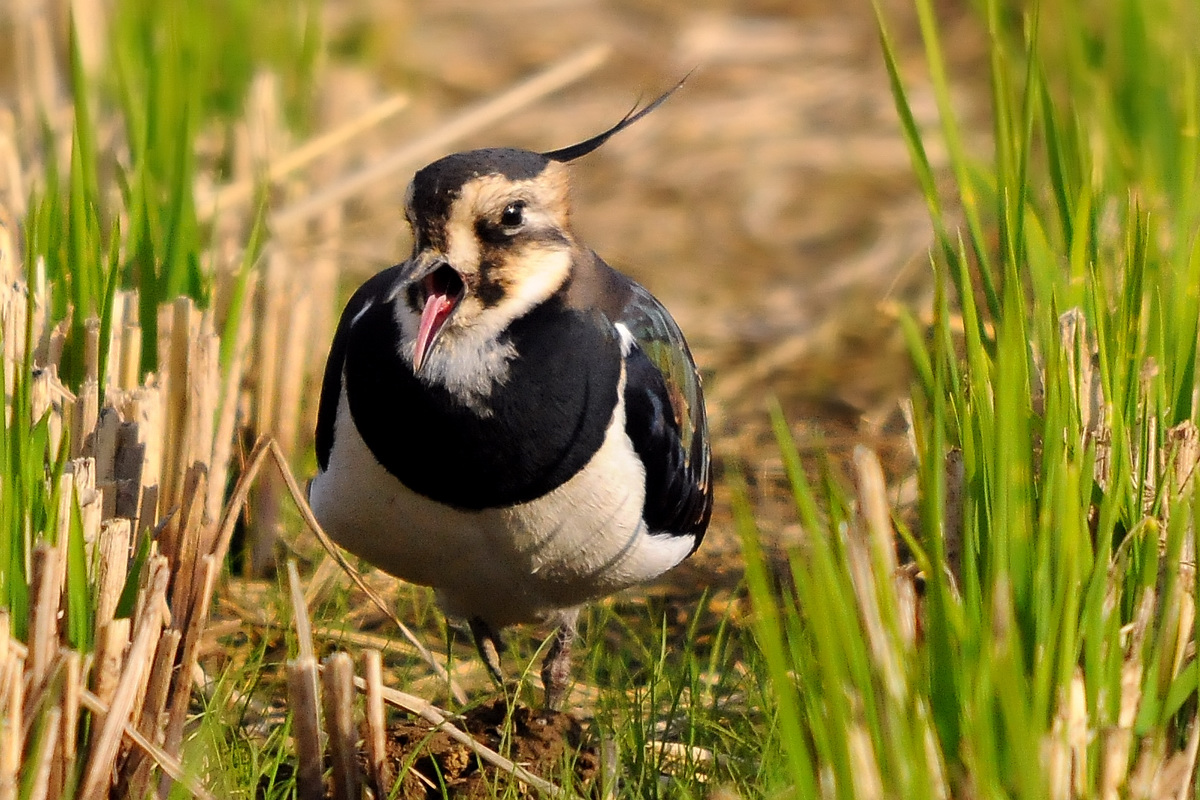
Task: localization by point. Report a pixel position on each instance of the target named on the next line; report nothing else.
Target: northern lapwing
(506, 418)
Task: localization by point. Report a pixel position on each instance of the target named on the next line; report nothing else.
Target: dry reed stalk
(12, 194)
(43, 628)
(90, 500)
(12, 737)
(125, 353)
(324, 273)
(167, 763)
(337, 678)
(864, 769)
(13, 306)
(1064, 750)
(1185, 785)
(42, 760)
(265, 131)
(292, 374)
(98, 773)
(286, 336)
(66, 752)
(377, 769)
(303, 623)
(91, 349)
(182, 544)
(871, 545)
(126, 488)
(304, 693)
(125, 469)
(130, 356)
(1118, 741)
(135, 772)
(322, 577)
(146, 411)
(610, 765)
(274, 300)
(62, 536)
(116, 541)
(230, 401)
(87, 413)
(561, 74)
(205, 384)
(112, 638)
(46, 396)
(176, 446)
(181, 687)
(306, 727)
(274, 311)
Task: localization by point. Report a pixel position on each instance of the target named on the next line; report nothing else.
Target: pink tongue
(437, 308)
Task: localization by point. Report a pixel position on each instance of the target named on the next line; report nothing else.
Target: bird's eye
(513, 215)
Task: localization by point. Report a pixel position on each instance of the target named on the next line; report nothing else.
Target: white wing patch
(627, 339)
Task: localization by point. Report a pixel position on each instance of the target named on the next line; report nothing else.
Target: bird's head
(491, 241)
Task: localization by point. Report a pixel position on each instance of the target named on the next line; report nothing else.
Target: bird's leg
(556, 668)
(489, 645)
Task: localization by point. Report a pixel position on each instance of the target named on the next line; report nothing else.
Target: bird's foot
(556, 668)
(490, 645)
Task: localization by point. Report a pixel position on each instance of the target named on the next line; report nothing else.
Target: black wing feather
(331, 387)
(665, 419)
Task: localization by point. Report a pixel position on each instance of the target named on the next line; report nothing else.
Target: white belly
(522, 563)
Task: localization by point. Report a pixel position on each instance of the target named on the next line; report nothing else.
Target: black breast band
(547, 419)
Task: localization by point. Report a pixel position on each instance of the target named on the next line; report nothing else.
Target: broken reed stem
(135, 773)
(166, 762)
(304, 634)
(98, 775)
(306, 728)
(43, 759)
(377, 769)
(181, 687)
(337, 680)
(305, 696)
(72, 672)
(13, 742)
(45, 593)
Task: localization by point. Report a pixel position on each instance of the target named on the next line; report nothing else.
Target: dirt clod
(548, 744)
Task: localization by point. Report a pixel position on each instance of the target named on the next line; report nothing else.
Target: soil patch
(548, 744)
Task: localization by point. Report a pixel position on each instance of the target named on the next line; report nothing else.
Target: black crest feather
(581, 149)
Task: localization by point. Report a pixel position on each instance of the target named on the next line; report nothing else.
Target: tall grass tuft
(1042, 642)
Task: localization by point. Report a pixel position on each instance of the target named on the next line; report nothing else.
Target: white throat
(471, 356)
(468, 365)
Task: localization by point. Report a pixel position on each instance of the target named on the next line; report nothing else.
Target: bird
(506, 418)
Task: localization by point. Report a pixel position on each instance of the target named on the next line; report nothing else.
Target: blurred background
(770, 203)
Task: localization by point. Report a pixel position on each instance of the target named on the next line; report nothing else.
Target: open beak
(442, 290)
